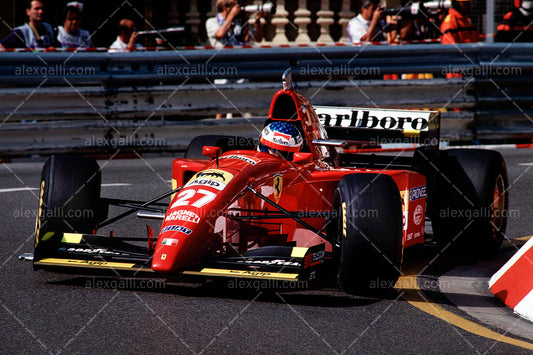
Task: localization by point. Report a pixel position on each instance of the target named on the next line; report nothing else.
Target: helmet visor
(278, 152)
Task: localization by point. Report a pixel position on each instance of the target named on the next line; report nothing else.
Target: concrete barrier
(513, 283)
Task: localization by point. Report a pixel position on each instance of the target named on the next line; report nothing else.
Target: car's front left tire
(368, 225)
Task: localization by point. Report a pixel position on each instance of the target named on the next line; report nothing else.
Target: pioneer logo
(404, 120)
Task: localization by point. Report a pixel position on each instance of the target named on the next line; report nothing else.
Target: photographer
(367, 26)
(127, 38)
(231, 27)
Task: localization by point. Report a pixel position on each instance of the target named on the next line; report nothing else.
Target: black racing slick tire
(227, 143)
(69, 197)
(469, 202)
(368, 225)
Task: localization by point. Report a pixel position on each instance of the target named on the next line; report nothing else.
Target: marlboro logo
(286, 137)
(404, 120)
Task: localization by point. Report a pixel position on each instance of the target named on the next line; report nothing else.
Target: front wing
(88, 254)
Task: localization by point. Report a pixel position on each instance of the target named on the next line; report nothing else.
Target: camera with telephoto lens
(164, 31)
(421, 9)
(267, 8)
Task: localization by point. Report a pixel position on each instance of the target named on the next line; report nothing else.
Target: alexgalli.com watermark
(54, 70)
(475, 213)
(197, 70)
(56, 212)
(408, 284)
(408, 140)
(267, 284)
(125, 284)
(125, 141)
(339, 70)
(483, 70)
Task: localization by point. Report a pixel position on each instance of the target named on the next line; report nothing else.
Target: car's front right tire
(69, 199)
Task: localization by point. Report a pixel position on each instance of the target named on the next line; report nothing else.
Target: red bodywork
(202, 219)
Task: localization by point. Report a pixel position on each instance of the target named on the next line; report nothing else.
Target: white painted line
(482, 146)
(17, 189)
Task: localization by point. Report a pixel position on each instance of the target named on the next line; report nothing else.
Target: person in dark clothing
(517, 24)
(35, 33)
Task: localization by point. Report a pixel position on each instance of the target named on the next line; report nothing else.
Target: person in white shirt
(366, 27)
(126, 40)
(70, 35)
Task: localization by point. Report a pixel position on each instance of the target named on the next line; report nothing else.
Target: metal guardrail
(308, 63)
(493, 97)
(129, 102)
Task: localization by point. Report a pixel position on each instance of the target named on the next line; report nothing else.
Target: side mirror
(302, 158)
(211, 152)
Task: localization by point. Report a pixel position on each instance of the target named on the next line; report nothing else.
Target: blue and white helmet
(281, 138)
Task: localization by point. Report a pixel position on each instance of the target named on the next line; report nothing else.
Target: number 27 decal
(196, 198)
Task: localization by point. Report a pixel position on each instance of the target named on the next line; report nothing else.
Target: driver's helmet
(280, 138)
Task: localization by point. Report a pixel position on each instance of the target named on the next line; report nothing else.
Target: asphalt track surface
(42, 312)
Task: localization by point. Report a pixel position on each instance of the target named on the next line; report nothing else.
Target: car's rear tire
(469, 201)
(69, 197)
(368, 225)
(194, 151)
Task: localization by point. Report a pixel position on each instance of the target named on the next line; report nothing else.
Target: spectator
(33, 34)
(367, 26)
(457, 26)
(516, 25)
(127, 38)
(231, 27)
(70, 35)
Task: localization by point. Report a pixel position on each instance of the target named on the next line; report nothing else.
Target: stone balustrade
(295, 21)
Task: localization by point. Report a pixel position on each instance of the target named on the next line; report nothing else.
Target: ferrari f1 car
(238, 212)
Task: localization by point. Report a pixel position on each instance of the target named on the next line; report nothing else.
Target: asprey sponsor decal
(246, 159)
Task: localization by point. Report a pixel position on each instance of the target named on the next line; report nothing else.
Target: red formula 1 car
(242, 213)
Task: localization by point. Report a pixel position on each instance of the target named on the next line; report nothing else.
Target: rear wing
(381, 126)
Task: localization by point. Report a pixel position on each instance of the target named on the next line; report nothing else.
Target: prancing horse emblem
(278, 186)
